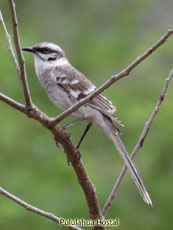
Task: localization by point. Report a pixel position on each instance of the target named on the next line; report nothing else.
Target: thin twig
(21, 60)
(139, 144)
(34, 209)
(10, 47)
(12, 103)
(114, 78)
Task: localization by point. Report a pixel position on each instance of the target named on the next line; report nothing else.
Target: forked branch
(33, 112)
(62, 136)
(139, 144)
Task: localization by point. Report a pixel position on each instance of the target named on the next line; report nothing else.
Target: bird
(65, 86)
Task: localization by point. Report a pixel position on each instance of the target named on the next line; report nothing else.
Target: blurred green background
(100, 38)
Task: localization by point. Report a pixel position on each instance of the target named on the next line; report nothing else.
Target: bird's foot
(77, 148)
(58, 145)
(56, 139)
(56, 142)
(79, 154)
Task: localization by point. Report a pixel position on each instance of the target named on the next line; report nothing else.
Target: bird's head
(45, 51)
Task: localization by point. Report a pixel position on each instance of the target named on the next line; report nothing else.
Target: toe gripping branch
(81, 139)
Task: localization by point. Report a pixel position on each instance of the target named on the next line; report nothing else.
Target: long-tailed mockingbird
(65, 86)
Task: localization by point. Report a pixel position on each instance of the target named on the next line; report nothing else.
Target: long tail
(111, 131)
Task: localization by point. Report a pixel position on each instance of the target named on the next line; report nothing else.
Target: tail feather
(115, 118)
(135, 175)
(111, 131)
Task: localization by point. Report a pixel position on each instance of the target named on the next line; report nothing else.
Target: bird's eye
(44, 50)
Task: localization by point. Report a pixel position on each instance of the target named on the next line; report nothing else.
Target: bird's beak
(28, 49)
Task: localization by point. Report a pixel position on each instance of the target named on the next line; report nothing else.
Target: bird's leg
(73, 123)
(69, 125)
(81, 139)
(83, 135)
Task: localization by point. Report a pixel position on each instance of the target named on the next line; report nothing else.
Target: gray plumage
(65, 86)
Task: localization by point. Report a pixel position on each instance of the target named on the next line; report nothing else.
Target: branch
(12, 103)
(73, 155)
(34, 209)
(34, 113)
(21, 60)
(139, 144)
(51, 124)
(10, 47)
(114, 78)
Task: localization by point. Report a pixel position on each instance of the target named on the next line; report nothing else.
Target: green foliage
(100, 38)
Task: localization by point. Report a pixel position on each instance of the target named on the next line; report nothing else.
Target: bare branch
(12, 103)
(33, 208)
(114, 78)
(62, 136)
(51, 124)
(73, 155)
(139, 144)
(21, 60)
(10, 47)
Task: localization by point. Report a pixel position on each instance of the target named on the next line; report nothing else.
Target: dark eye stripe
(44, 50)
